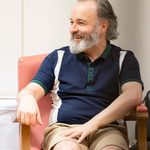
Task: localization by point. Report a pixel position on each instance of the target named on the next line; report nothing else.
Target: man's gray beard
(92, 40)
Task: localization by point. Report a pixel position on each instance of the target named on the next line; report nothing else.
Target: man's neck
(96, 51)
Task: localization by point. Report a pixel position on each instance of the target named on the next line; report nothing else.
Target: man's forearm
(32, 89)
(123, 105)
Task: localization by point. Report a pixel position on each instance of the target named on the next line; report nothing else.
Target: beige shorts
(110, 135)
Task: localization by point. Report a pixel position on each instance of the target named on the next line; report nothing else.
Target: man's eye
(71, 22)
(81, 23)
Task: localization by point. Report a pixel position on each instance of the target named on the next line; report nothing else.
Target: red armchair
(32, 136)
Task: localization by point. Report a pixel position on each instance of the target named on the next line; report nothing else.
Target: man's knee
(66, 145)
(111, 147)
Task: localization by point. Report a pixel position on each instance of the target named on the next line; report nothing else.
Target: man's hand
(80, 131)
(28, 111)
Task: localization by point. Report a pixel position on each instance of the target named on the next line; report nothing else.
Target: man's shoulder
(65, 49)
(53, 54)
(117, 49)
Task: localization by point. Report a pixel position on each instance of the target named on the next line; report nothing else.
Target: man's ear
(104, 26)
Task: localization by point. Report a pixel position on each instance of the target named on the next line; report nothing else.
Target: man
(85, 91)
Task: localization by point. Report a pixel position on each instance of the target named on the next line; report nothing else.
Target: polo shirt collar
(106, 51)
(81, 56)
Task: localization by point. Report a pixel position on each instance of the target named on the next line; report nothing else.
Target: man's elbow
(134, 90)
(137, 97)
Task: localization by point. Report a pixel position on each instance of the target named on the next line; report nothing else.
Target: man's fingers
(75, 135)
(39, 120)
(68, 132)
(18, 116)
(26, 118)
(81, 138)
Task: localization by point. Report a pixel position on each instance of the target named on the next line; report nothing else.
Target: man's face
(84, 27)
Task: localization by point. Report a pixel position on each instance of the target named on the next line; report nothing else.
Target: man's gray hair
(106, 12)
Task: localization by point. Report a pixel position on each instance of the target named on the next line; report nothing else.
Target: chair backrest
(27, 68)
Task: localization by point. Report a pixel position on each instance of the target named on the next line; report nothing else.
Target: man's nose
(74, 28)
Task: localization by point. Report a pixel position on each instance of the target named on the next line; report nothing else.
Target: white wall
(144, 42)
(10, 45)
(46, 25)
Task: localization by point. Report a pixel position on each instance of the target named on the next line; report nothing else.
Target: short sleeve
(45, 75)
(130, 70)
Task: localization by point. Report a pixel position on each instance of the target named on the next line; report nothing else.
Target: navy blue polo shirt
(85, 88)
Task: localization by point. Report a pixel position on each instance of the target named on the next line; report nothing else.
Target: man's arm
(124, 104)
(28, 111)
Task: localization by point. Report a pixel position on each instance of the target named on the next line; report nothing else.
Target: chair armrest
(140, 111)
(142, 120)
(140, 115)
(141, 108)
(27, 68)
(25, 137)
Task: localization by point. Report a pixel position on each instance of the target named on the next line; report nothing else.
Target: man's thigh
(53, 137)
(111, 147)
(109, 136)
(67, 145)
